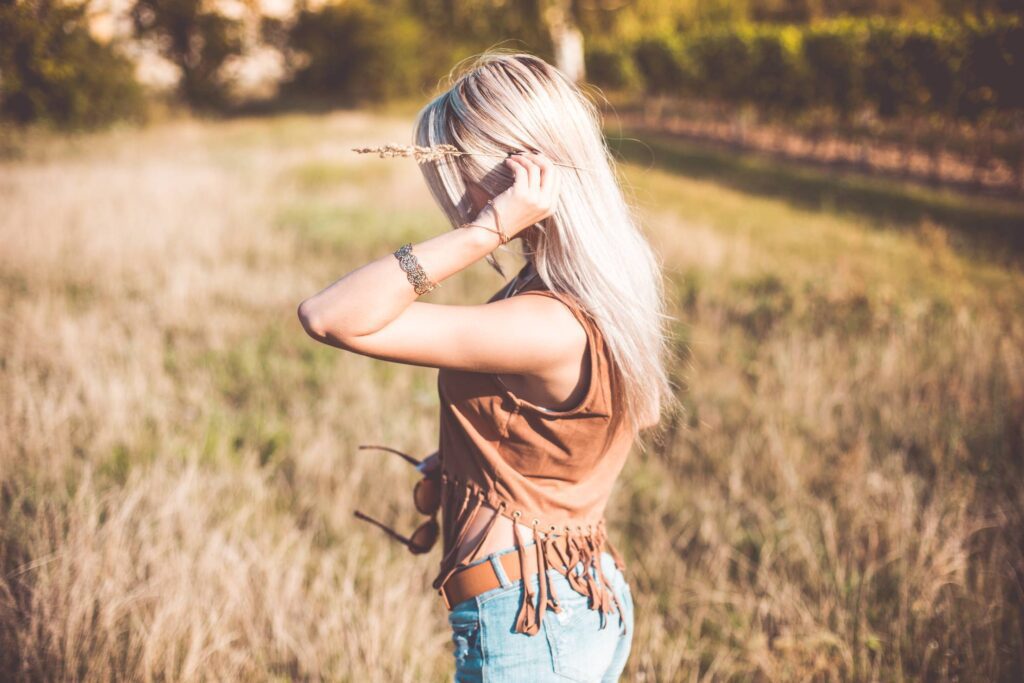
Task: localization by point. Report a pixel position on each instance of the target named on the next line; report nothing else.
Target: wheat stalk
(433, 153)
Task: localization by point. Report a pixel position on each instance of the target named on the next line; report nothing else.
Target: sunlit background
(836, 190)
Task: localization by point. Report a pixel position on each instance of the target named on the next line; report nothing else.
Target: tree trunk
(566, 38)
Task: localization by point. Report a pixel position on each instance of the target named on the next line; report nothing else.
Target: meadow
(841, 499)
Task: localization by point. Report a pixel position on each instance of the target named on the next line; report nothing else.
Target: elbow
(315, 324)
(312, 321)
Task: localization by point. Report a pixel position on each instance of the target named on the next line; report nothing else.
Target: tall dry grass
(178, 465)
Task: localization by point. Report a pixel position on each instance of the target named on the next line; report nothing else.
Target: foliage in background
(198, 40)
(53, 70)
(362, 51)
(944, 57)
(958, 69)
(355, 52)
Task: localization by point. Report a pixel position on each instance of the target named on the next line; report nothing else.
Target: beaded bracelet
(413, 270)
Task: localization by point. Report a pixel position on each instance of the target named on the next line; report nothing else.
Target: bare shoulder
(549, 308)
(549, 319)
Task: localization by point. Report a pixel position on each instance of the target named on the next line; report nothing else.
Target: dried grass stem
(432, 153)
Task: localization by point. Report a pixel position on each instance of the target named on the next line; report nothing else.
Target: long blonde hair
(590, 247)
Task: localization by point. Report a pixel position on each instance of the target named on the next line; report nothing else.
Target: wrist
(487, 217)
(498, 217)
(485, 228)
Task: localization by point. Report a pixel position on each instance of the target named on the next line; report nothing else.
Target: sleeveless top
(550, 469)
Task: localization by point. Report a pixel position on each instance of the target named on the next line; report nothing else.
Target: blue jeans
(570, 646)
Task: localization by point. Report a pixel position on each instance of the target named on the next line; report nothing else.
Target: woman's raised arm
(373, 310)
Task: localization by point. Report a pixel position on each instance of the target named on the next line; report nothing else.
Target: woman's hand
(533, 195)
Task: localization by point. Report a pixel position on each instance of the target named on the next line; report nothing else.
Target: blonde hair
(590, 247)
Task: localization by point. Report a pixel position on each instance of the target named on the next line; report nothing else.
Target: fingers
(534, 170)
(536, 186)
(548, 176)
(538, 167)
(519, 170)
(532, 177)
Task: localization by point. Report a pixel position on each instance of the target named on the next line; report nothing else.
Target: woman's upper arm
(514, 335)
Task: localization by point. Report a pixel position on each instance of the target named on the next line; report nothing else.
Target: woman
(541, 396)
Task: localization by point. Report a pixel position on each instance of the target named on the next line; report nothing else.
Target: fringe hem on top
(462, 500)
(557, 547)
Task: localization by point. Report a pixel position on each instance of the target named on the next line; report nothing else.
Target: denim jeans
(570, 646)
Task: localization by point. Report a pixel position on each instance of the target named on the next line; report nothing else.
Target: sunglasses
(426, 496)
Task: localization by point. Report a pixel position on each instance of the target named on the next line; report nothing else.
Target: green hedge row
(956, 69)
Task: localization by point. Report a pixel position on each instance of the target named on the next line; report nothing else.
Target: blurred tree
(475, 24)
(196, 38)
(609, 65)
(52, 69)
(549, 28)
(566, 37)
(356, 52)
(982, 8)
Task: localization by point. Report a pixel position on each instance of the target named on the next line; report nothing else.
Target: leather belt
(470, 582)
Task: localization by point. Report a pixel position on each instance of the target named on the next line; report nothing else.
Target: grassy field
(842, 499)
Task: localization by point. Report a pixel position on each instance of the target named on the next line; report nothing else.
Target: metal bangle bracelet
(413, 270)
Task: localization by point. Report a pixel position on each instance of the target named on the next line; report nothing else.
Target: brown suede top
(550, 469)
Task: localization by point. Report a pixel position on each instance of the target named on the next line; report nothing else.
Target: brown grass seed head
(425, 154)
